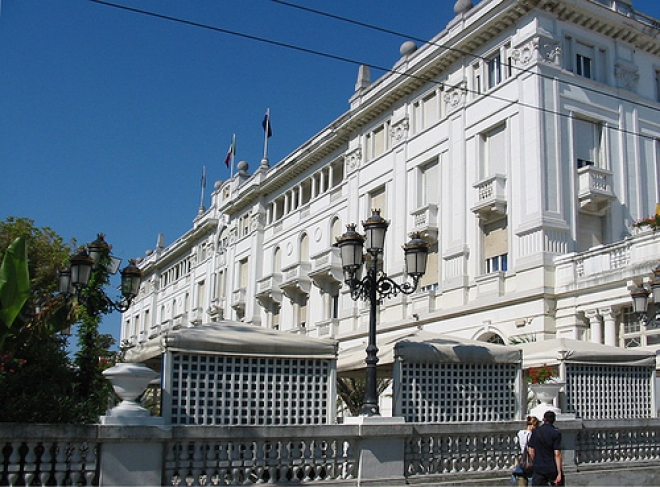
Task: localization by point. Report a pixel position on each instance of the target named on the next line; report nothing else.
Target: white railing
(329, 455)
(281, 455)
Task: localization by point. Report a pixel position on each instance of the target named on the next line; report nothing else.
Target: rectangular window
(378, 201)
(429, 184)
(379, 141)
(584, 57)
(587, 137)
(494, 65)
(243, 273)
(496, 246)
(430, 279)
(493, 152)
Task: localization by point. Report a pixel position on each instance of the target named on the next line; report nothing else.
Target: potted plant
(545, 384)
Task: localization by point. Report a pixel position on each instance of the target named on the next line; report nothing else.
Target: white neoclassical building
(522, 141)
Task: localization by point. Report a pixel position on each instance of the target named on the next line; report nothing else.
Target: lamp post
(643, 309)
(376, 285)
(75, 278)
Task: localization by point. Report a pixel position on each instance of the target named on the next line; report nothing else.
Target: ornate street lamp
(376, 285)
(74, 280)
(643, 309)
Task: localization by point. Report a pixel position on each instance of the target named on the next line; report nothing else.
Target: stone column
(594, 326)
(609, 324)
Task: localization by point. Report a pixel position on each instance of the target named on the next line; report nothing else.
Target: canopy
(233, 338)
(421, 346)
(552, 352)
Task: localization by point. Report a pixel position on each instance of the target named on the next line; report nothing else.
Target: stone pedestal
(380, 457)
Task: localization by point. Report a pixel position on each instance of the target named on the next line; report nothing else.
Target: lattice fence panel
(444, 392)
(233, 390)
(608, 391)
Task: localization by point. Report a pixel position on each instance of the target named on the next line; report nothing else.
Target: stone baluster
(296, 460)
(197, 463)
(14, 463)
(259, 460)
(75, 464)
(46, 463)
(349, 460)
(184, 462)
(30, 466)
(307, 461)
(284, 460)
(90, 462)
(60, 463)
(235, 463)
(211, 460)
(329, 452)
(318, 460)
(271, 461)
(248, 460)
(170, 462)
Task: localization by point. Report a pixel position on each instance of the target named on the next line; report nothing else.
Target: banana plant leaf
(14, 282)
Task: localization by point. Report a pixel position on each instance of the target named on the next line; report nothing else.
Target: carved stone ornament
(626, 76)
(352, 159)
(455, 95)
(547, 50)
(257, 222)
(233, 235)
(399, 131)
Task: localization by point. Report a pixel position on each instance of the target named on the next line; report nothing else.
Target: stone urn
(546, 393)
(129, 381)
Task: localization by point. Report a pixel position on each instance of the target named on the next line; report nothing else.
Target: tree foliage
(39, 382)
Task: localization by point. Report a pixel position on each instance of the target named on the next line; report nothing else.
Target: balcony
(179, 321)
(327, 272)
(197, 316)
(594, 189)
(425, 221)
(296, 280)
(268, 290)
(491, 200)
(238, 301)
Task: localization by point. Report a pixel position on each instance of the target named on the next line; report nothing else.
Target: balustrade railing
(49, 455)
(248, 461)
(219, 455)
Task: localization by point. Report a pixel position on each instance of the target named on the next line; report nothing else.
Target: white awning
(233, 338)
(423, 347)
(552, 352)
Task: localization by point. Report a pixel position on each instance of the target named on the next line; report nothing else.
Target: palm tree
(351, 392)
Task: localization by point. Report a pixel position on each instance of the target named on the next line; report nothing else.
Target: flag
(203, 177)
(231, 151)
(266, 124)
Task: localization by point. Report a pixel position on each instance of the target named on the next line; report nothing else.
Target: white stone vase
(129, 381)
(546, 393)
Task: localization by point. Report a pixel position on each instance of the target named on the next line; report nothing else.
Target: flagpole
(264, 161)
(231, 156)
(201, 201)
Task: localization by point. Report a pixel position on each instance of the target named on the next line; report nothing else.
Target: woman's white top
(523, 438)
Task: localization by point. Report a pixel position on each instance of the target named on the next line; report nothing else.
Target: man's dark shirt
(545, 440)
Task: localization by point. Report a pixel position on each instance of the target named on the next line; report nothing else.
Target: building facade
(522, 141)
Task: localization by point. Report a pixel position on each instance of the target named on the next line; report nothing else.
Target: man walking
(545, 448)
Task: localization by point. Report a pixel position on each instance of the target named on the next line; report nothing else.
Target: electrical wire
(356, 62)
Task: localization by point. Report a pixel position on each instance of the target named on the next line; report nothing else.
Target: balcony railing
(491, 197)
(594, 189)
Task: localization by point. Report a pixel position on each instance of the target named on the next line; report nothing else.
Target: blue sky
(107, 116)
